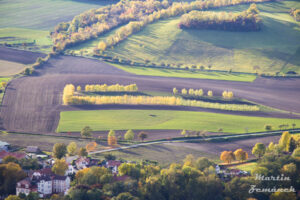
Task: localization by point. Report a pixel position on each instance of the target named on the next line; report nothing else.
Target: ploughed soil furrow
(19, 56)
(33, 104)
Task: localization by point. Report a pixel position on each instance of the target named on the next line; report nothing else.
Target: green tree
(142, 135)
(60, 167)
(175, 91)
(259, 150)
(296, 153)
(33, 196)
(72, 148)
(82, 152)
(9, 158)
(109, 157)
(129, 135)
(203, 163)
(241, 155)
(283, 196)
(184, 132)
(268, 127)
(86, 132)
(10, 174)
(260, 171)
(210, 93)
(125, 196)
(59, 150)
(111, 133)
(284, 141)
(13, 197)
(183, 91)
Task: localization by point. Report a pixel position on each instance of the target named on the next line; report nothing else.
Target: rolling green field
(163, 119)
(25, 21)
(35, 39)
(146, 71)
(273, 49)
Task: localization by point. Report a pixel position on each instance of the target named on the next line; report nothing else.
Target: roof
(18, 155)
(81, 159)
(32, 149)
(112, 163)
(4, 144)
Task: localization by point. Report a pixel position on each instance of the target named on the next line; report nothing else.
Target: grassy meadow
(100, 120)
(25, 21)
(273, 49)
(147, 71)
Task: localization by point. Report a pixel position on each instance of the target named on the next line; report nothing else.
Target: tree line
(199, 92)
(247, 20)
(136, 14)
(154, 100)
(111, 88)
(295, 13)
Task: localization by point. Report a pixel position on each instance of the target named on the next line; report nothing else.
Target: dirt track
(33, 104)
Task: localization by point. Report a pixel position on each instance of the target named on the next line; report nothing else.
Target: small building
(113, 165)
(24, 186)
(33, 149)
(84, 162)
(4, 146)
(18, 155)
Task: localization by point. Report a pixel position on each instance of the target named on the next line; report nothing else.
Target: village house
(4, 146)
(113, 165)
(33, 149)
(18, 155)
(85, 162)
(45, 182)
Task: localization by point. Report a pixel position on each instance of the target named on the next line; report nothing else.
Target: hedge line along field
(272, 49)
(147, 71)
(99, 120)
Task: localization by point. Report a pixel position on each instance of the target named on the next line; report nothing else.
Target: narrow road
(261, 134)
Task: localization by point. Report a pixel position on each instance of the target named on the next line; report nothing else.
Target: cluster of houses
(44, 181)
(226, 173)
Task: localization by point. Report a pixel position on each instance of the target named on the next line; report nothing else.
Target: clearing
(100, 120)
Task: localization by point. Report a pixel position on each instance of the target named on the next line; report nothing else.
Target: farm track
(33, 104)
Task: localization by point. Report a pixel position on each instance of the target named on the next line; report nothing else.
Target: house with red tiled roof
(18, 155)
(113, 165)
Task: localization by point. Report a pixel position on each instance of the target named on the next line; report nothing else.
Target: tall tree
(59, 150)
(143, 136)
(86, 132)
(227, 156)
(241, 155)
(72, 148)
(60, 167)
(82, 152)
(284, 141)
(259, 150)
(129, 135)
